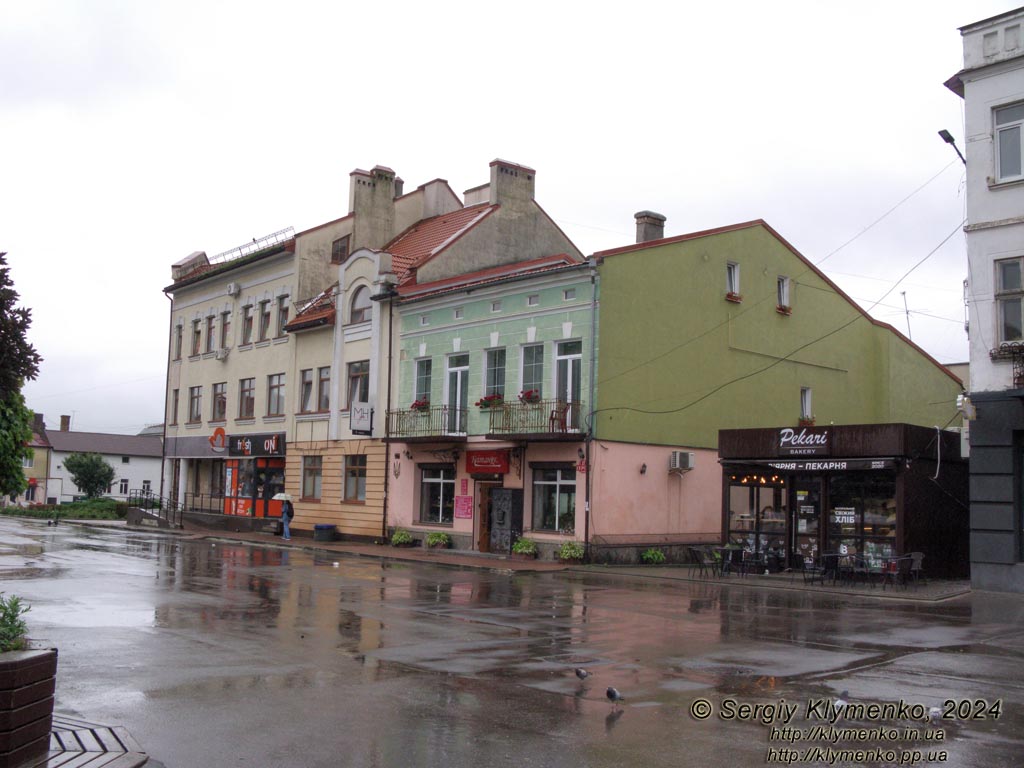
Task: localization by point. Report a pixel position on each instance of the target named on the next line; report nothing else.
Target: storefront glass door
(757, 519)
(805, 516)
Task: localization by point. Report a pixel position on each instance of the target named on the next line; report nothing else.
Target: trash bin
(324, 532)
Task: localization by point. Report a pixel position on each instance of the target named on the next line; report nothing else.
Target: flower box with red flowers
(734, 297)
(420, 405)
(782, 309)
(490, 401)
(529, 396)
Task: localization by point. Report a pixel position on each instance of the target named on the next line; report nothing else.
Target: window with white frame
(1009, 299)
(195, 404)
(323, 388)
(275, 394)
(496, 306)
(123, 486)
(147, 486)
(533, 369)
(437, 494)
(28, 460)
(197, 336)
(494, 374)
(358, 382)
(424, 369)
(533, 300)
(247, 324)
(457, 392)
(569, 294)
(211, 324)
(312, 474)
(264, 315)
(732, 278)
(306, 390)
(355, 477)
(782, 291)
(458, 313)
(362, 307)
(554, 499)
(1009, 125)
(806, 406)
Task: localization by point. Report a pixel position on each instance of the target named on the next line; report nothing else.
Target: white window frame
(361, 308)
(806, 403)
(495, 371)
(1006, 128)
(458, 313)
(422, 379)
(569, 294)
(457, 399)
(28, 461)
(496, 306)
(732, 277)
(538, 383)
(1004, 297)
(306, 390)
(533, 300)
(782, 291)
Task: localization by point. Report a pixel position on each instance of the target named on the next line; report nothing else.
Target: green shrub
(438, 539)
(12, 627)
(88, 509)
(401, 536)
(653, 556)
(571, 550)
(525, 547)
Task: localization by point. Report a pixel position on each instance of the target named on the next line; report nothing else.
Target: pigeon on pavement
(614, 696)
(581, 673)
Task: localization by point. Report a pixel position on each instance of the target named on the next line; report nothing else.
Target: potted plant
(653, 556)
(420, 406)
(401, 538)
(524, 549)
(490, 401)
(806, 421)
(734, 297)
(439, 540)
(27, 680)
(783, 309)
(571, 552)
(529, 396)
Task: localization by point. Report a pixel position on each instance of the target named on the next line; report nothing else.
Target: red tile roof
(428, 237)
(316, 313)
(489, 275)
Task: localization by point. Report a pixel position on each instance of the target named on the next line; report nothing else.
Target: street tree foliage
(15, 434)
(19, 362)
(90, 472)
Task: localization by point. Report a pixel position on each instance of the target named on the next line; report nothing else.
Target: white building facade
(992, 87)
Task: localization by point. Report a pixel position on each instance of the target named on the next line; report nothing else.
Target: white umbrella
(281, 497)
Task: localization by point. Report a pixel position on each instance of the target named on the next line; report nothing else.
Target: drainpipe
(167, 381)
(590, 427)
(390, 296)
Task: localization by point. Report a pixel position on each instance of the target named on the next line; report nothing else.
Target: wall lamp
(580, 453)
(643, 469)
(408, 454)
(947, 137)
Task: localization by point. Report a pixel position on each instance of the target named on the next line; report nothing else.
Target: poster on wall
(464, 507)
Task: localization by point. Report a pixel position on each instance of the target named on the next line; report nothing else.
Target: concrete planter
(27, 681)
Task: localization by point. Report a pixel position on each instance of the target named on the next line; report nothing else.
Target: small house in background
(36, 468)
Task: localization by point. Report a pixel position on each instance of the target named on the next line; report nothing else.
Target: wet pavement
(229, 653)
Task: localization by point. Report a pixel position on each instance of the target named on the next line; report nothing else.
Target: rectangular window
(220, 402)
(339, 249)
(323, 389)
(569, 294)
(312, 473)
(174, 406)
(147, 486)
(197, 336)
(264, 330)
(782, 291)
(424, 320)
(459, 313)
(177, 342)
(195, 404)
(495, 306)
(437, 495)
(282, 314)
(246, 398)
(247, 324)
(423, 371)
(358, 382)
(533, 300)
(458, 393)
(28, 461)
(1009, 123)
(554, 499)
(806, 406)
(225, 330)
(533, 369)
(732, 278)
(355, 478)
(126, 459)
(1009, 299)
(211, 324)
(306, 390)
(494, 375)
(122, 486)
(275, 394)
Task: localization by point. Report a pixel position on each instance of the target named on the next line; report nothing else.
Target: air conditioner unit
(222, 354)
(681, 461)
(234, 289)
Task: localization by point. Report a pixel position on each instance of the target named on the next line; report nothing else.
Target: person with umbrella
(287, 512)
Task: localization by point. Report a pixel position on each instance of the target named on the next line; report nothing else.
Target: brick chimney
(38, 424)
(371, 197)
(649, 226)
(65, 423)
(511, 183)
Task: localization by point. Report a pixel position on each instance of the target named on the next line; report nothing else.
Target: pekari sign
(804, 441)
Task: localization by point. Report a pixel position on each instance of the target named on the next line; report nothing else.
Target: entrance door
(568, 385)
(484, 509)
(458, 393)
(805, 517)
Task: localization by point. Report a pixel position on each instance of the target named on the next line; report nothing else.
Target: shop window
(355, 478)
(862, 515)
(757, 516)
(437, 494)
(312, 473)
(554, 499)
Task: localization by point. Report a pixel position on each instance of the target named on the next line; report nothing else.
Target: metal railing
(165, 509)
(542, 416)
(434, 421)
(210, 503)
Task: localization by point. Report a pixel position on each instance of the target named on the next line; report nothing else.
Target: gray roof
(99, 442)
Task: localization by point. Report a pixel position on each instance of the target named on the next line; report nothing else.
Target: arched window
(360, 309)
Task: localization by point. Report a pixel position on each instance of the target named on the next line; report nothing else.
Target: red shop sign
(489, 462)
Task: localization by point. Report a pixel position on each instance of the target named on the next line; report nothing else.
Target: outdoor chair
(812, 571)
(916, 572)
(830, 567)
(897, 571)
(558, 418)
(708, 563)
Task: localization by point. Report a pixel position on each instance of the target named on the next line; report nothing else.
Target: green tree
(15, 434)
(90, 473)
(19, 362)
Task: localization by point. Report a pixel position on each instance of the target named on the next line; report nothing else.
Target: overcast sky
(135, 133)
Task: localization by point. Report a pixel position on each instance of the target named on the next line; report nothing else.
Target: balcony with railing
(429, 423)
(540, 420)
